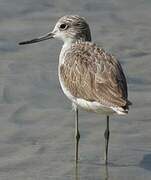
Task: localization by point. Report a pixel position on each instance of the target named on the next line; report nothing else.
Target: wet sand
(36, 120)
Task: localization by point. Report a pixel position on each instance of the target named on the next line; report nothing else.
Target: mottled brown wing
(90, 73)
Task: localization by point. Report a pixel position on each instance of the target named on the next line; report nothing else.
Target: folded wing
(92, 74)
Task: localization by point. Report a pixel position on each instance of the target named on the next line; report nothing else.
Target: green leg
(106, 135)
(77, 135)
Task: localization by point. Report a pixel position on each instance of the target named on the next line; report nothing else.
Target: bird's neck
(67, 45)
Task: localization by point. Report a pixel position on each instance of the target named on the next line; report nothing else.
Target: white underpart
(90, 105)
(65, 47)
(87, 105)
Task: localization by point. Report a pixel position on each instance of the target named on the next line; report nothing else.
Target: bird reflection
(77, 176)
(106, 173)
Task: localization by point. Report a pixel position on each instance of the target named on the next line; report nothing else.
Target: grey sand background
(36, 120)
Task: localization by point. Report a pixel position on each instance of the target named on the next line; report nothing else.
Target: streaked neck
(67, 44)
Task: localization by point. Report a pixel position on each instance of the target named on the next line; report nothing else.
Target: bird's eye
(63, 26)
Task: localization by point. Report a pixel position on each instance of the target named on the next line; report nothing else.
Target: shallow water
(36, 121)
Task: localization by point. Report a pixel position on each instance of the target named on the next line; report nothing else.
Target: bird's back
(90, 73)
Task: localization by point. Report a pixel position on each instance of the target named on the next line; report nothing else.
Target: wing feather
(90, 73)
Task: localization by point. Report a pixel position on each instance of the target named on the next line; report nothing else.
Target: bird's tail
(123, 110)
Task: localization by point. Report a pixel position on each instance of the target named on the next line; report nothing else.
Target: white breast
(65, 47)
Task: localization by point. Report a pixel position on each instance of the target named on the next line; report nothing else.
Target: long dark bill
(42, 38)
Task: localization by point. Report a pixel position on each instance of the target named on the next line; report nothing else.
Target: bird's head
(69, 28)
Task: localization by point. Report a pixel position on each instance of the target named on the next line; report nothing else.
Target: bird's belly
(87, 105)
(93, 106)
(64, 89)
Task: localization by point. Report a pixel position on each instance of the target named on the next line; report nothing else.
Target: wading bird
(90, 77)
